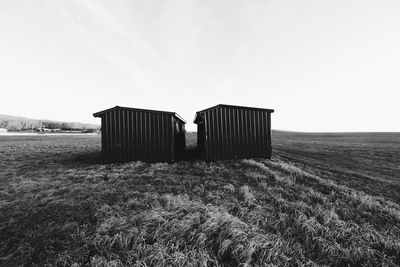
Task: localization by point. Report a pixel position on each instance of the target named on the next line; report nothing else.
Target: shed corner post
(206, 149)
(269, 135)
(173, 158)
(103, 138)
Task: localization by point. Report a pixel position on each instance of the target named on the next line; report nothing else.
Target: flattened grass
(73, 212)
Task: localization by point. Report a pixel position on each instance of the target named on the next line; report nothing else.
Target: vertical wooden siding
(236, 133)
(137, 135)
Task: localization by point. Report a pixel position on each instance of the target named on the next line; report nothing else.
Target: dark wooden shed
(230, 132)
(129, 134)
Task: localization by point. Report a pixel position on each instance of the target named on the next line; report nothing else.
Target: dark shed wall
(180, 138)
(231, 132)
(138, 135)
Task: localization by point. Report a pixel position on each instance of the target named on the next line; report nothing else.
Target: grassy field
(357, 160)
(323, 199)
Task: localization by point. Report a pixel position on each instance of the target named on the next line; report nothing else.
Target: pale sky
(322, 65)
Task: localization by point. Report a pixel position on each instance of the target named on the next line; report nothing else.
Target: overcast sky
(322, 65)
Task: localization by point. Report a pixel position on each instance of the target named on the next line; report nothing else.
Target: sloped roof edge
(98, 114)
(230, 106)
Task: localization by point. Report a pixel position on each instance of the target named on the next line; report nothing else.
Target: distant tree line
(28, 124)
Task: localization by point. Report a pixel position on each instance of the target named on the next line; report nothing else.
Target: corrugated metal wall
(138, 135)
(232, 132)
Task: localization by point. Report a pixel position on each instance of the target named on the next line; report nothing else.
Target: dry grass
(369, 162)
(60, 206)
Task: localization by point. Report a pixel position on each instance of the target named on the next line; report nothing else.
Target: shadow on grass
(82, 158)
(95, 157)
(44, 230)
(189, 155)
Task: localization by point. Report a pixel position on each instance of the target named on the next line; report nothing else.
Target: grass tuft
(69, 212)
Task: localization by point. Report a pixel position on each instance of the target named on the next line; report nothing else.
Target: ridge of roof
(235, 106)
(230, 106)
(98, 114)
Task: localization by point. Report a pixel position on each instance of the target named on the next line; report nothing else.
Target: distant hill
(15, 123)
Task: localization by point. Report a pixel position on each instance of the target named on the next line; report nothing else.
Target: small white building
(3, 130)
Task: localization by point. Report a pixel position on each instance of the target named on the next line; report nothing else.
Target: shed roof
(100, 113)
(231, 106)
